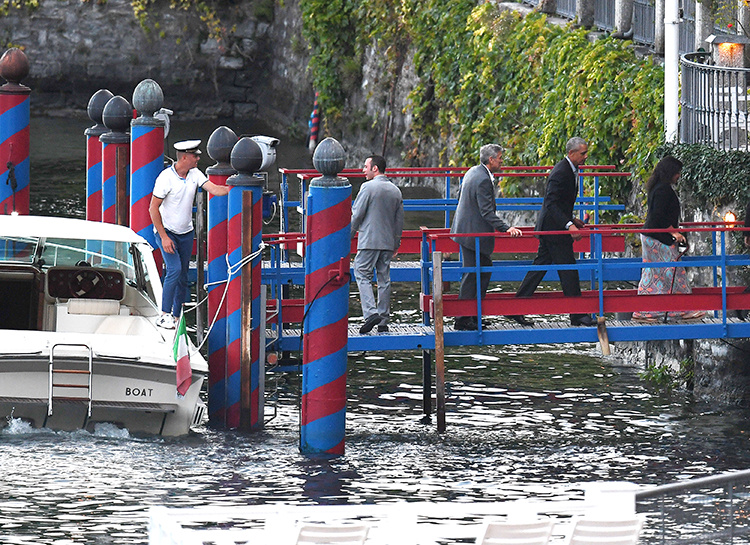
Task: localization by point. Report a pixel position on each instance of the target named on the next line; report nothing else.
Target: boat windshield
(46, 252)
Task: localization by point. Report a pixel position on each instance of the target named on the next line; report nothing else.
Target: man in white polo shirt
(171, 212)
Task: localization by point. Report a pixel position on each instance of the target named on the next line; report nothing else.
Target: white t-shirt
(178, 193)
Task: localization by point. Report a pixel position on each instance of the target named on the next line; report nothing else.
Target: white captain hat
(188, 146)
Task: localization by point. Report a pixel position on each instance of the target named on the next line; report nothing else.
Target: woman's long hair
(664, 172)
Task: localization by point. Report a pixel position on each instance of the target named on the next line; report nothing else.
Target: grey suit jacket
(378, 215)
(476, 210)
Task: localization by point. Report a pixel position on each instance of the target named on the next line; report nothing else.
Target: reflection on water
(58, 158)
(522, 422)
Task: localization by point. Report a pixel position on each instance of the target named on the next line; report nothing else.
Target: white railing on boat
(70, 386)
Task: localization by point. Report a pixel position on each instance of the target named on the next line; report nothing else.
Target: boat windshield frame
(44, 252)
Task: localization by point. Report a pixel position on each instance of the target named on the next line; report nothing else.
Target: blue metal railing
(596, 203)
(603, 269)
(602, 266)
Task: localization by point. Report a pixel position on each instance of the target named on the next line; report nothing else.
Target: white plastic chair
(340, 534)
(599, 531)
(532, 532)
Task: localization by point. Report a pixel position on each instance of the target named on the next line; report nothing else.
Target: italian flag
(182, 357)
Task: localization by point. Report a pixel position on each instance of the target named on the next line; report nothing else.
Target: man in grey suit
(557, 215)
(378, 215)
(476, 213)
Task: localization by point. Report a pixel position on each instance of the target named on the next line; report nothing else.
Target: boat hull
(138, 393)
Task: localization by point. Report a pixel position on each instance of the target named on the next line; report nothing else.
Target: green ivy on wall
(715, 177)
(487, 75)
(334, 35)
(7, 5)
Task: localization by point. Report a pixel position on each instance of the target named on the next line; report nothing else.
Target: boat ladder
(57, 374)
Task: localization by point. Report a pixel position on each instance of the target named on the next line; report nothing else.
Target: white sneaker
(166, 321)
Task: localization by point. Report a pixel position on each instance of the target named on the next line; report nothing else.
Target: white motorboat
(79, 343)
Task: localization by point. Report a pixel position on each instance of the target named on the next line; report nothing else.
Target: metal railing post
(437, 305)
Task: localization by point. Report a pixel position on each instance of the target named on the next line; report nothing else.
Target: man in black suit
(475, 213)
(557, 215)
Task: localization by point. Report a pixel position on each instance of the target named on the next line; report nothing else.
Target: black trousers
(553, 250)
(468, 288)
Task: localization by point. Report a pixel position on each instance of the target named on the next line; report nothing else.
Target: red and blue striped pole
(94, 155)
(312, 141)
(324, 350)
(219, 148)
(14, 133)
(146, 156)
(116, 161)
(244, 406)
(233, 342)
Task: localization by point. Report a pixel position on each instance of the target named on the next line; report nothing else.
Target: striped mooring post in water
(14, 133)
(146, 156)
(95, 111)
(325, 337)
(244, 405)
(116, 161)
(219, 148)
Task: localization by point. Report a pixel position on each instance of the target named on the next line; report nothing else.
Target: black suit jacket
(663, 212)
(559, 198)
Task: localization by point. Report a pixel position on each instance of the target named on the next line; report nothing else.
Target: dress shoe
(383, 328)
(585, 320)
(521, 319)
(465, 323)
(371, 322)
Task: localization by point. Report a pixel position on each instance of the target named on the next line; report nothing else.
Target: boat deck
(502, 331)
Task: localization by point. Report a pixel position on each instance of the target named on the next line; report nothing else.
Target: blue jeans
(175, 290)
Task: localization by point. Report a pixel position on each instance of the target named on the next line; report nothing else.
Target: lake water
(521, 422)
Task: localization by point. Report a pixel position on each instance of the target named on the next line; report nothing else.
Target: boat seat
(85, 315)
(127, 325)
(98, 307)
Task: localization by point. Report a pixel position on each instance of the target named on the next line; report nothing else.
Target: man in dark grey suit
(378, 215)
(557, 215)
(476, 213)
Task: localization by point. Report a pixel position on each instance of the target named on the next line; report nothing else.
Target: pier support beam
(437, 302)
(219, 148)
(115, 161)
(324, 349)
(146, 156)
(244, 398)
(14, 143)
(426, 385)
(95, 111)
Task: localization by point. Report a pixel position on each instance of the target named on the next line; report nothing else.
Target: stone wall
(75, 48)
(721, 369)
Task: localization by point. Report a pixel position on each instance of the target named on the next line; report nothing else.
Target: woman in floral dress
(663, 213)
